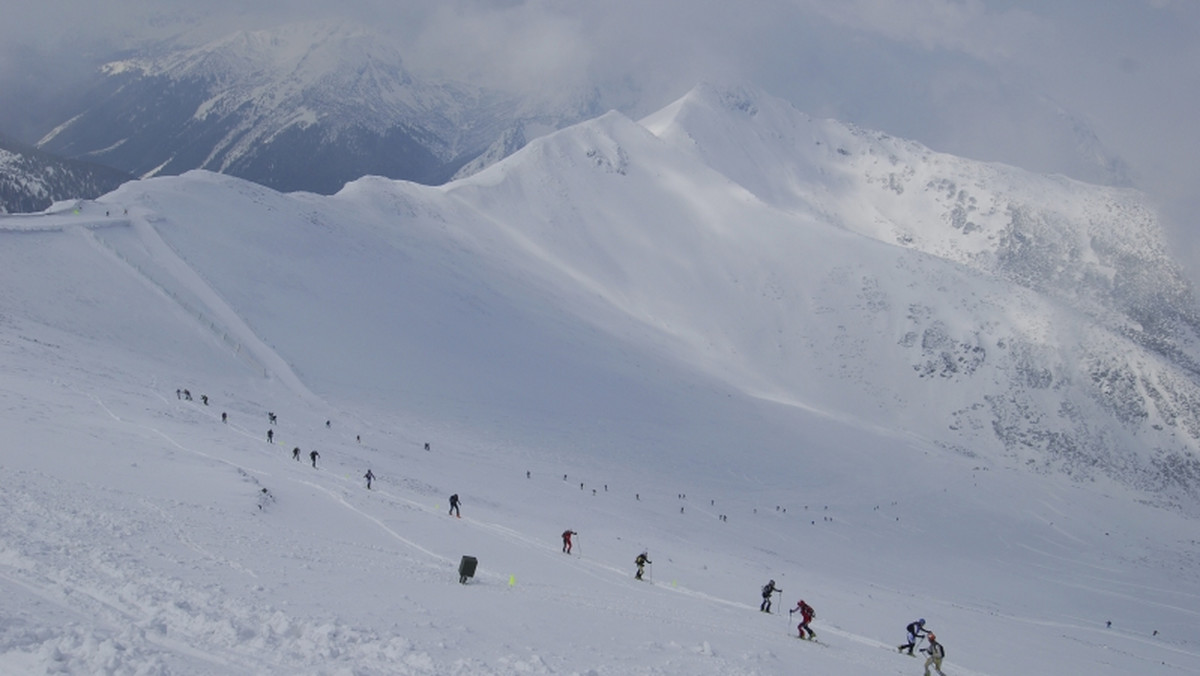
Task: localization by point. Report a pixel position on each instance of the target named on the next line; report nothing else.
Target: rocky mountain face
(31, 180)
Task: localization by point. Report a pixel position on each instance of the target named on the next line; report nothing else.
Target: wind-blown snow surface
(570, 370)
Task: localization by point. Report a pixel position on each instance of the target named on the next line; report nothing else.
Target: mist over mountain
(299, 107)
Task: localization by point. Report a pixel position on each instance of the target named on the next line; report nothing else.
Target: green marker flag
(512, 580)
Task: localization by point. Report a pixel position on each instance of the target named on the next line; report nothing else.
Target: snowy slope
(656, 343)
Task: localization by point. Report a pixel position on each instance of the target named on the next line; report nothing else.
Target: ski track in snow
(166, 437)
(341, 500)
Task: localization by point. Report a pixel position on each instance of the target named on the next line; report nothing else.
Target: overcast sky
(1019, 81)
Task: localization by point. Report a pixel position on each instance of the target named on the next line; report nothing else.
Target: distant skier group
(916, 632)
(184, 394)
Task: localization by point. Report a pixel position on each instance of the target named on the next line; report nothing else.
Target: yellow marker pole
(512, 580)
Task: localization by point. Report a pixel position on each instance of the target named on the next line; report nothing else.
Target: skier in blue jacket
(915, 631)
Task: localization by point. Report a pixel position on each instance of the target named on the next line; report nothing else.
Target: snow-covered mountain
(31, 180)
(1039, 383)
(787, 357)
(301, 107)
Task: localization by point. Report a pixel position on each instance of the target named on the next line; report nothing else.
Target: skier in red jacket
(567, 540)
(806, 615)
